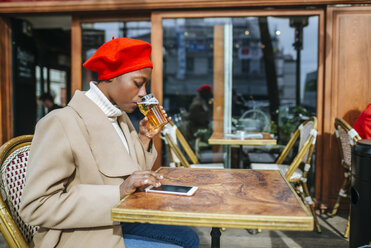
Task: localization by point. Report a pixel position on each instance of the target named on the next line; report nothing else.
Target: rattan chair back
(346, 137)
(13, 161)
(306, 136)
(174, 139)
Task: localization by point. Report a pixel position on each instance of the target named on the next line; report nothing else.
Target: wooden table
(230, 198)
(221, 139)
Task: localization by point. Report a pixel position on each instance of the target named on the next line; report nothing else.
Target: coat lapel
(124, 124)
(110, 154)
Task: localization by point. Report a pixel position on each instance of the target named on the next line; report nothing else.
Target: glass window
(270, 81)
(55, 82)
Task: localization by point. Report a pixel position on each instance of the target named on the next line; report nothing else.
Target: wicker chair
(13, 158)
(171, 135)
(306, 134)
(346, 137)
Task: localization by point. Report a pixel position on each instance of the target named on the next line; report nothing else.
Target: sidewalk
(331, 236)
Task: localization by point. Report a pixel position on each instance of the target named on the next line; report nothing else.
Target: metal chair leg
(342, 193)
(336, 206)
(309, 202)
(347, 228)
(300, 192)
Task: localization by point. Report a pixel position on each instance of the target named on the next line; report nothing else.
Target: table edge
(238, 142)
(298, 223)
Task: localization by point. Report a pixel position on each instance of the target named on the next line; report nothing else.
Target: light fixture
(247, 32)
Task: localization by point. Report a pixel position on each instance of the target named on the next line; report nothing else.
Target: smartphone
(173, 189)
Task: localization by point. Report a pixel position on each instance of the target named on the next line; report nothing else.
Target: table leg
(242, 160)
(215, 237)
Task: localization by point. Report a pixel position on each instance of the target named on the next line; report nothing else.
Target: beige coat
(77, 162)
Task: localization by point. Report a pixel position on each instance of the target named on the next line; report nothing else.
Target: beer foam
(149, 99)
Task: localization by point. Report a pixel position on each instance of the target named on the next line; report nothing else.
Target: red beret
(119, 56)
(205, 88)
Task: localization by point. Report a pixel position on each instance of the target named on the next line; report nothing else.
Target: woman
(87, 156)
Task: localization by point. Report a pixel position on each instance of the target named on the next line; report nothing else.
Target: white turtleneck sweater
(110, 110)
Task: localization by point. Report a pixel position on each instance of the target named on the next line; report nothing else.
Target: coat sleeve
(145, 158)
(46, 201)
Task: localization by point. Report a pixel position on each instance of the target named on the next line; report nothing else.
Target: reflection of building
(310, 90)
(286, 84)
(189, 49)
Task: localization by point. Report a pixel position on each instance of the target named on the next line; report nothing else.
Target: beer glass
(149, 106)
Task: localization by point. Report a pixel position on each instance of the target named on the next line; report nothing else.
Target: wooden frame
(76, 61)
(60, 6)
(6, 116)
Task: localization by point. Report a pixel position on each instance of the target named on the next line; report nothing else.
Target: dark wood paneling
(348, 84)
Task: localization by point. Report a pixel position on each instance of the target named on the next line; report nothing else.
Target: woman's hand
(139, 179)
(147, 132)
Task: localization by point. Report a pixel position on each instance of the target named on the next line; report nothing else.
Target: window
(272, 66)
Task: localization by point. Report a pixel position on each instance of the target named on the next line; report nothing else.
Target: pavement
(331, 236)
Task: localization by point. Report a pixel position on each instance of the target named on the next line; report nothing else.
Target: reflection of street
(249, 70)
(263, 73)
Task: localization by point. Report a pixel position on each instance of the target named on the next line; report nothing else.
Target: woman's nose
(142, 91)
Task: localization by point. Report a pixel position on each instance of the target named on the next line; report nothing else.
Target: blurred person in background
(201, 109)
(48, 101)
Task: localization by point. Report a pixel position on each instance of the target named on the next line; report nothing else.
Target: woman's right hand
(139, 179)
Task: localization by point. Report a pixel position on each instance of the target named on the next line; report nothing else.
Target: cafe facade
(281, 61)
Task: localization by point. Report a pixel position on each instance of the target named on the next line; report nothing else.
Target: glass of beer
(149, 106)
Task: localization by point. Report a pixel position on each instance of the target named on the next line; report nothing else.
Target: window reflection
(274, 72)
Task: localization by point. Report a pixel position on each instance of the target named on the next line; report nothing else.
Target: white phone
(173, 189)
